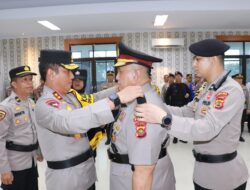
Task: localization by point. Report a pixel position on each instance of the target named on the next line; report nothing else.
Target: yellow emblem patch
(2, 115)
(26, 68)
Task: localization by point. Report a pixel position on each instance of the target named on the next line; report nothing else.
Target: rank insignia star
(57, 96)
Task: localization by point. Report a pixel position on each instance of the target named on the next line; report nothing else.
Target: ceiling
(18, 18)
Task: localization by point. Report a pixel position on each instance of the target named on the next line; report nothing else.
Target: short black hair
(171, 75)
(43, 68)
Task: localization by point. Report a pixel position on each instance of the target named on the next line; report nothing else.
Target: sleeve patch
(53, 103)
(220, 99)
(2, 115)
(221, 95)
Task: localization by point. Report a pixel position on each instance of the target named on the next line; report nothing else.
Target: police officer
(239, 78)
(211, 120)
(18, 138)
(62, 123)
(110, 75)
(138, 150)
(80, 80)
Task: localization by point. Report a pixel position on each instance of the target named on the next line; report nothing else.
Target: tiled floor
(180, 154)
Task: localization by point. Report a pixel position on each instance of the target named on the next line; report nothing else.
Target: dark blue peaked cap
(128, 55)
(209, 48)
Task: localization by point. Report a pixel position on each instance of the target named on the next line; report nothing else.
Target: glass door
(97, 59)
(102, 66)
(233, 64)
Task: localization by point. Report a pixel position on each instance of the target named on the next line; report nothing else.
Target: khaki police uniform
(135, 143)
(140, 151)
(212, 121)
(17, 127)
(62, 126)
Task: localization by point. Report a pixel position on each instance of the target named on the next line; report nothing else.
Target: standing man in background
(239, 78)
(164, 86)
(212, 121)
(190, 84)
(110, 75)
(18, 137)
(177, 94)
(63, 123)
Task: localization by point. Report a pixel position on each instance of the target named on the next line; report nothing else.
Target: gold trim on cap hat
(121, 62)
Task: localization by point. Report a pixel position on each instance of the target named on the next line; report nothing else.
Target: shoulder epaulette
(57, 96)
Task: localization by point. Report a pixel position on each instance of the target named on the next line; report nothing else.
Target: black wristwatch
(166, 121)
(115, 99)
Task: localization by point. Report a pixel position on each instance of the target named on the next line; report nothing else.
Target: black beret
(20, 72)
(80, 74)
(128, 56)
(209, 48)
(59, 57)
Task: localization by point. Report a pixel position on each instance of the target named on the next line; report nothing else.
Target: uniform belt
(70, 162)
(10, 145)
(81, 135)
(214, 158)
(123, 158)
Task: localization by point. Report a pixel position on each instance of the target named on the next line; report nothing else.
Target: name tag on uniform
(207, 103)
(19, 113)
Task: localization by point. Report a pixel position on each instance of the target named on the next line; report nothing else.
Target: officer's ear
(13, 84)
(213, 59)
(51, 74)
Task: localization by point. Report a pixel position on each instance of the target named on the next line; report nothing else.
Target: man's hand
(39, 158)
(130, 93)
(7, 178)
(149, 113)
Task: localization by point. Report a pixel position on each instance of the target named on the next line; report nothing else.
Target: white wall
(20, 51)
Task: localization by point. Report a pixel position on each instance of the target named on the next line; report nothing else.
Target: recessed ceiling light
(160, 20)
(48, 25)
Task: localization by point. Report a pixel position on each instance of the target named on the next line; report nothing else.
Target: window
(237, 58)
(96, 55)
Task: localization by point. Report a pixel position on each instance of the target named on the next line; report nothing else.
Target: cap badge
(26, 68)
